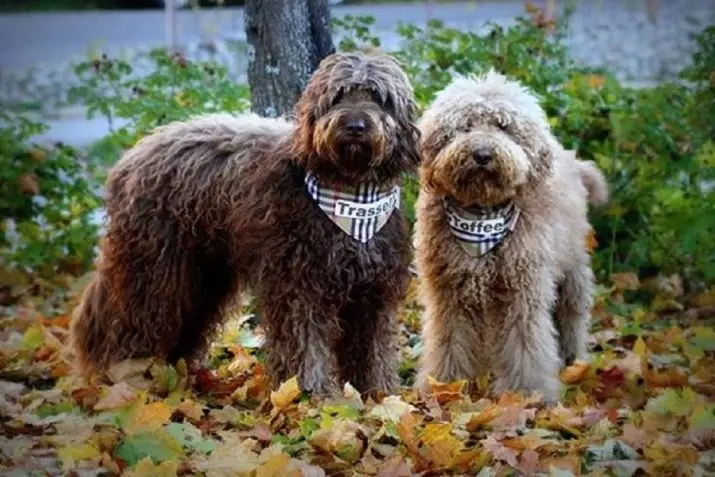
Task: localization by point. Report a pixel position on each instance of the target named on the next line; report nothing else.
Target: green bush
(655, 145)
(47, 203)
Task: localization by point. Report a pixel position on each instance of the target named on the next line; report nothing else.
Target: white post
(170, 25)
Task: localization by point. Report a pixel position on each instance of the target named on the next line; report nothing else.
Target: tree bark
(287, 39)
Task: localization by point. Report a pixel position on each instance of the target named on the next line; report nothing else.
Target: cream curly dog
(502, 219)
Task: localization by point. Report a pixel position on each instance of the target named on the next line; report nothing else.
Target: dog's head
(356, 120)
(483, 139)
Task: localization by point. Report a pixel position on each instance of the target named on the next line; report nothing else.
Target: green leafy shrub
(651, 143)
(174, 89)
(47, 204)
(655, 145)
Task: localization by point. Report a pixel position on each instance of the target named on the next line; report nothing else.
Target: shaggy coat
(203, 209)
(522, 309)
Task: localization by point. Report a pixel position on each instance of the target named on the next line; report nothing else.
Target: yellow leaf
(575, 373)
(71, 455)
(191, 409)
(481, 419)
(275, 466)
(149, 416)
(446, 392)
(286, 393)
(146, 468)
(640, 348)
(438, 444)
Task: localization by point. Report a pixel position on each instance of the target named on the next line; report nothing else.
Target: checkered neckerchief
(343, 206)
(468, 225)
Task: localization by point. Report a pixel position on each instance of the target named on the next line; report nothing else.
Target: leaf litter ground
(643, 405)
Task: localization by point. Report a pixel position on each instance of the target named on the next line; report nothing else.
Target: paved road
(52, 38)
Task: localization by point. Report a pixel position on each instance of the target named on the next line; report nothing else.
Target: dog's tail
(594, 181)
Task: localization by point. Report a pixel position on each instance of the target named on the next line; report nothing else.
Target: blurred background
(640, 41)
(626, 83)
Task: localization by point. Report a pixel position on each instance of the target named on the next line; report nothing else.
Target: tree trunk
(287, 39)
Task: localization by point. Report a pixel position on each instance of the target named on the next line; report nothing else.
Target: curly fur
(522, 309)
(203, 209)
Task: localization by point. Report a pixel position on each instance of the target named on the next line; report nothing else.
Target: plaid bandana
(359, 211)
(480, 229)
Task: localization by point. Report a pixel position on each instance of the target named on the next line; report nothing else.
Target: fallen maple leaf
(116, 396)
(499, 452)
(481, 419)
(446, 392)
(73, 454)
(391, 409)
(610, 381)
(157, 444)
(529, 462)
(344, 438)
(131, 371)
(277, 465)
(191, 409)
(234, 457)
(147, 468)
(671, 377)
(287, 392)
(148, 416)
(634, 437)
(575, 373)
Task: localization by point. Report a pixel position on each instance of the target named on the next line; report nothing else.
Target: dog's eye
(338, 97)
(502, 125)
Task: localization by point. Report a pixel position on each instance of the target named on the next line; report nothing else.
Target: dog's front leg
(528, 359)
(300, 341)
(450, 344)
(369, 351)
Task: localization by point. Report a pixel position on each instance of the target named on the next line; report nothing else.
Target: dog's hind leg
(572, 312)
(156, 294)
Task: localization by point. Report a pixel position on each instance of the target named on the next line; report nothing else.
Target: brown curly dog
(305, 216)
(501, 239)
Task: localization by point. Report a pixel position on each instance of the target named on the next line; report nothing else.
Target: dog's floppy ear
(302, 147)
(543, 159)
(408, 138)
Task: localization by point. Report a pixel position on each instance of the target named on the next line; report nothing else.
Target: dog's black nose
(356, 126)
(482, 156)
